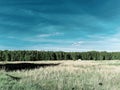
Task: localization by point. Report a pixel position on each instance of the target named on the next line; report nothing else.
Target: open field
(66, 75)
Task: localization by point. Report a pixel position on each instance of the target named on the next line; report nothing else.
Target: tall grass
(70, 75)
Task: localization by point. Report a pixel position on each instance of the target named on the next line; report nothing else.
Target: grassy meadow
(69, 75)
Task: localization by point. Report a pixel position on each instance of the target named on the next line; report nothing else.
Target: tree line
(26, 55)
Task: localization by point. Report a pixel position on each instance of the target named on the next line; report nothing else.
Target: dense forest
(25, 55)
(58, 55)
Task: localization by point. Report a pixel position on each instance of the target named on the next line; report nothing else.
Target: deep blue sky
(65, 25)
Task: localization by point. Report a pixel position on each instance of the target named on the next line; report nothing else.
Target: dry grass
(70, 75)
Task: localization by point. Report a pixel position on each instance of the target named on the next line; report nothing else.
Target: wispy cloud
(63, 25)
(79, 43)
(100, 42)
(49, 34)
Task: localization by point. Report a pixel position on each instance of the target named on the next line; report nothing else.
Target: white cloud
(100, 43)
(49, 35)
(46, 38)
(12, 37)
(97, 36)
(79, 43)
(41, 40)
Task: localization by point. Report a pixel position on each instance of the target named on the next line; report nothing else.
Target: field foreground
(68, 75)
